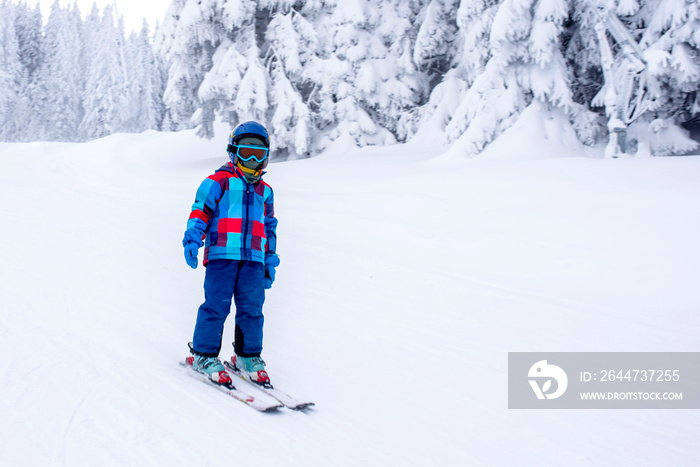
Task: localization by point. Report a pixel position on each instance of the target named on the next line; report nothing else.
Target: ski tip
(302, 406)
(262, 406)
(272, 408)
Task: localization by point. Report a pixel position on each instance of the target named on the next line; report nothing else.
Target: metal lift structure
(625, 93)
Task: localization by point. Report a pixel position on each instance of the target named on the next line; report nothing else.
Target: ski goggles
(247, 152)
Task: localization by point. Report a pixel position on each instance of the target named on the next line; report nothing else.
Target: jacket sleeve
(206, 200)
(270, 224)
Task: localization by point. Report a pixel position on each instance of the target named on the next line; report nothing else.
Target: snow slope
(405, 281)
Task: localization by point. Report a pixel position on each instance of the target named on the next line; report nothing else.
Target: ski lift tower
(625, 93)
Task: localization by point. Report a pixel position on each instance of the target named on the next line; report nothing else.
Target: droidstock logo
(545, 373)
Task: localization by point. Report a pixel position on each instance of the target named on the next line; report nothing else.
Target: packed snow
(408, 273)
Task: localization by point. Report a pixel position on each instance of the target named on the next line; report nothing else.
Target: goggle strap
(232, 148)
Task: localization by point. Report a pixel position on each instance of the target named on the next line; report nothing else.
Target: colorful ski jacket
(237, 218)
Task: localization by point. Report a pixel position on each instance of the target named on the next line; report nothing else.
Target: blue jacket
(236, 218)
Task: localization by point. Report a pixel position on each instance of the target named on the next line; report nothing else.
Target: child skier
(234, 211)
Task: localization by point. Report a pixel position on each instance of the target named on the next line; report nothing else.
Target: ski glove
(192, 243)
(271, 262)
(191, 250)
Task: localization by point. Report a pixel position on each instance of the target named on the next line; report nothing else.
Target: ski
(257, 404)
(282, 397)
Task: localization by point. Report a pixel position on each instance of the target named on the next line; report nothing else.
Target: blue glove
(191, 250)
(271, 262)
(192, 242)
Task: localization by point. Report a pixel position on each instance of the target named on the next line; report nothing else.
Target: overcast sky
(133, 11)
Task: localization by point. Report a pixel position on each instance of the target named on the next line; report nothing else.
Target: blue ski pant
(244, 281)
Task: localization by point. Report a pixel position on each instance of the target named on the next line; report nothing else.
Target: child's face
(252, 153)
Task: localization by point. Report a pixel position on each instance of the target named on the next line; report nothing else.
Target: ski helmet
(248, 149)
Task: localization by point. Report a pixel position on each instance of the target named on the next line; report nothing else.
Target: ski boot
(210, 366)
(253, 369)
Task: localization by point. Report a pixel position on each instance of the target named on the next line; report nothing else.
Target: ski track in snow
(403, 285)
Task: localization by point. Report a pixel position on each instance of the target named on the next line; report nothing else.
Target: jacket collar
(229, 167)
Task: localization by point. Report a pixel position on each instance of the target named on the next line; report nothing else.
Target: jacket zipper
(246, 221)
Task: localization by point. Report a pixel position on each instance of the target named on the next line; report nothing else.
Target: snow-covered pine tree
(191, 33)
(403, 87)
(89, 38)
(437, 41)
(28, 26)
(546, 74)
(236, 83)
(582, 55)
(57, 99)
(30, 38)
(166, 31)
(12, 73)
(21, 56)
(346, 48)
(512, 53)
(670, 38)
(125, 112)
(291, 45)
(162, 47)
(105, 100)
(269, 52)
(154, 82)
(473, 20)
(364, 80)
(145, 83)
(497, 96)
